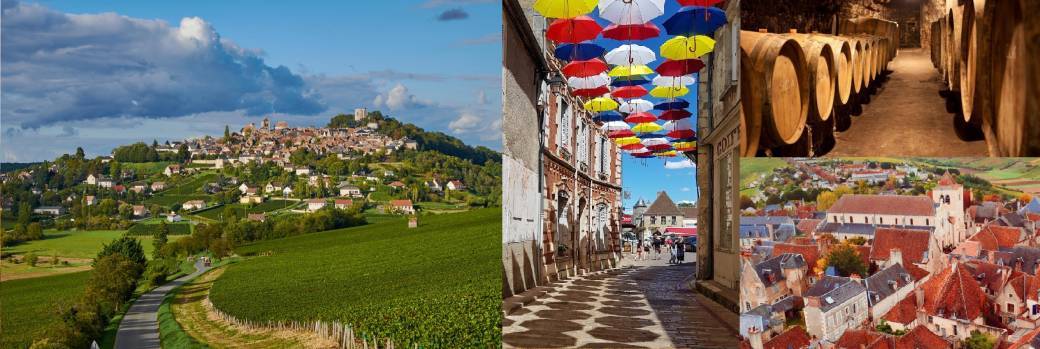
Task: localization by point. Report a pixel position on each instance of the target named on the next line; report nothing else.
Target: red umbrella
(687, 133)
(573, 30)
(679, 68)
(620, 134)
(583, 69)
(632, 146)
(638, 118)
(591, 92)
(659, 147)
(704, 3)
(629, 92)
(674, 114)
(631, 32)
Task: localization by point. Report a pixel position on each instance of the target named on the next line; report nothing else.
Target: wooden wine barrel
(974, 26)
(856, 68)
(934, 42)
(867, 58)
(743, 133)
(843, 61)
(953, 49)
(877, 27)
(750, 113)
(1015, 73)
(779, 88)
(819, 60)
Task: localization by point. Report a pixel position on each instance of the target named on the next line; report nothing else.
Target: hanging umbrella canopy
(585, 68)
(638, 118)
(608, 116)
(614, 126)
(669, 92)
(635, 106)
(631, 55)
(665, 153)
(682, 124)
(699, 2)
(628, 92)
(646, 127)
(651, 135)
(674, 103)
(695, 20)
(686, 47)
(573, 30)
(630, 11)
(636, 146)
(564, 8)
(673, 81)
(634, 80)
(620, 134)
(630, 70)
(627, 141)
(601, 104)
(675, 114)
(681, 133)
(684, 146)
(592, 81)
(679, 67)
(591, 92)
(631, 32)
(578, 52)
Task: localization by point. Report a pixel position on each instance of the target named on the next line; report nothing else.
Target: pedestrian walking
(657, 248)
(639, 251)
(671, 251)
(680, 252)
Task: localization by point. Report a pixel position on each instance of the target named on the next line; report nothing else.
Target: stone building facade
(561, 174)
(718, 121)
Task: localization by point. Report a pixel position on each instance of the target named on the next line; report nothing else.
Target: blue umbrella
(650, 135)
(675, 103)
(629, 81)
(608, 116)
(695, 20)
(579, 52)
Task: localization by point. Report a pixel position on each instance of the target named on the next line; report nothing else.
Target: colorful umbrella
(585, 68)
(633, 80)
(665, 153)
(628, 92)
(669, 92)
(614, 126)
(636, 146)
(620, 134)
(573, 30)
(608, 116)
(627, 141)
(699, 2)
(684, 146)
(601, 104)
(673, 81)
(651, 136)
(564, 8)
(591, 92)
(675, 114)
(695, 20)
(630, 70)
(638, 118)
(592, 81)
(674, 103)
(686, 47)
(631, 55)
(578, 52)
(679, 129)
(679, 67)
(646, 127)
(630, 11)
(631, 32)
(635, 106)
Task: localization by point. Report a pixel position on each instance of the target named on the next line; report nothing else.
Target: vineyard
(31, 306)
(435, 286)
(152, 228)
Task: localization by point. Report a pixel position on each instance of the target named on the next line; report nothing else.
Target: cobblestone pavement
(647, 305)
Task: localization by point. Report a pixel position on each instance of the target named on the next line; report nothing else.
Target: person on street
(680, 252)
(671, 251)
(639, 251)
(657, 248)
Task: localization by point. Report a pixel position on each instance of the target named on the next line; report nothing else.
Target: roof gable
(663, 206)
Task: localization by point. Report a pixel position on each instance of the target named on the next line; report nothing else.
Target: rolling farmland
(435, 286)
(75, 244)
(31, 305)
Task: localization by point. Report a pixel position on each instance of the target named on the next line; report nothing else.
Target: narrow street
(140, 325)
(906, 117)
(643, 304)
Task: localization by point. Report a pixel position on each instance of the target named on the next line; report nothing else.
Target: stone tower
(266, 124)
(948, 197)
(637, 216)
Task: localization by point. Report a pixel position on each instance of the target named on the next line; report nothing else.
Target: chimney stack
(895, 256)
(919, 296)
(755, 337)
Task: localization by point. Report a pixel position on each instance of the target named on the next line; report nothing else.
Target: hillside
(387, 280)
(30, 306)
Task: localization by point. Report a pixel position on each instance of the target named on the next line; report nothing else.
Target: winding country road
(140, 325)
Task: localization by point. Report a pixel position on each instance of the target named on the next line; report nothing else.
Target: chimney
(919, 296)
(755, 337)
(895, 256)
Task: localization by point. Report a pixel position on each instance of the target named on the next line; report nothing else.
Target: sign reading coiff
(724, 147)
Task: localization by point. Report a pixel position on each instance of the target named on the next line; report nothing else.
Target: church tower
(637, 216)
(948, 197)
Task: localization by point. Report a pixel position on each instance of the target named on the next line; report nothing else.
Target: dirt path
(907, 117)
(140, 326)
(205, 326)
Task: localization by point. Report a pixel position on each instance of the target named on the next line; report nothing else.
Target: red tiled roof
(990, 275)
(903, 312)
(921, 337)
(344, 202)
(912, 244)
(808, 226)
(1025, 340)
(900, 205)
(1025, 286)
(864, 254)
(947, 180)
(857, 339)
(401, 203)
(811, 253)
(794, 338)
(993, 237)
(955, 293)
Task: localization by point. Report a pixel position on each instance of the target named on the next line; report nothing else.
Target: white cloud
(399, 98)
(675, 165)
(466, 122)
(685, 189)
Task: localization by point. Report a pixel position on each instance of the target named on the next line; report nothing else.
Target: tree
(159, 239)
(1025, 197)
(79, 153)
(227, 134)
(34, 231)
(825, 200)
(979, 340)
(24, 213)
(32, 259)
(846, 260)
(127, 247)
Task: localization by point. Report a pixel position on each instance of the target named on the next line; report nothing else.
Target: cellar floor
(906, 117)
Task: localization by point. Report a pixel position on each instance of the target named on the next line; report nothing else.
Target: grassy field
(146, 168)
(182, 228)
(751, 168)
(31, 305)
(266, 206)
(190, 189)
(436, 286)
(75, 244)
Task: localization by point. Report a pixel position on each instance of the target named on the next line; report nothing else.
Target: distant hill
(436, 141)
(6, 167)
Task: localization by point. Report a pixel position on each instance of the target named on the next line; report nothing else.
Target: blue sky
(434, 63)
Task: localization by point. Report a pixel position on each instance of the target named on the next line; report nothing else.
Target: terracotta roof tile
(811, 253)
(808, 226)
(793, 338)
(912, 244)
(857, 339)
(663, 206)
(921, 337)
(901, 205)
(903, 312)
(953, 292)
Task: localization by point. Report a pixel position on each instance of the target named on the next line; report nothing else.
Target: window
(911, 221)
(882, 220)
(600, 154)
(653, 219)
(583, 143)
(1010, 308)
(563, 122)
(926, 222)
(865, 219)
(1036, 309)
(835, 219)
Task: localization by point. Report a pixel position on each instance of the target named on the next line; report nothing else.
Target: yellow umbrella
(646, 127)
(687, 47)
(599, 104)
(666, 154)
(669, 92)
(684, 146)
(626, 140)
(564, 8)
(630, 70)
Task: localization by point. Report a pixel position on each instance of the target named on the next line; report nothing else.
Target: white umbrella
(614, 126)
(625, 12)
(588, 82)
(631, 55)
(655, 141)
(673, 81)
(636, 106)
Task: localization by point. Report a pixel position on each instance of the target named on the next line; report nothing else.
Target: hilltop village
(898, 255)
